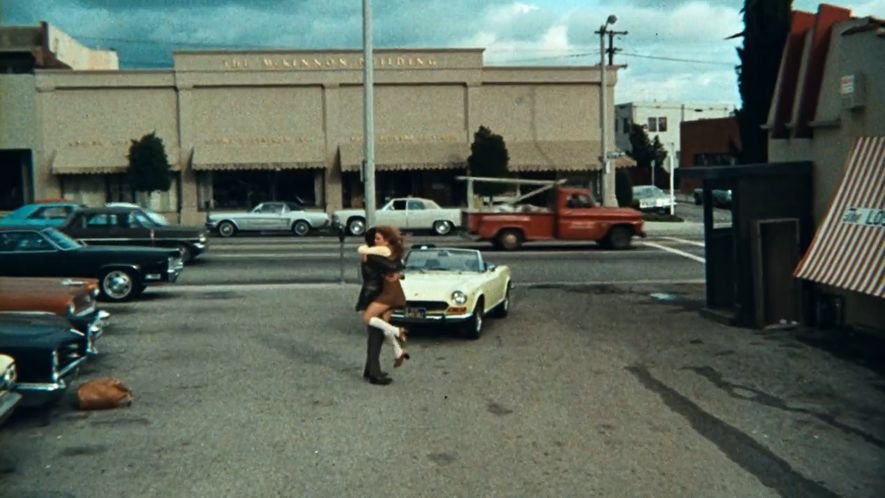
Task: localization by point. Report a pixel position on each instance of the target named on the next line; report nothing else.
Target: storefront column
(332, 195)
(190, 210)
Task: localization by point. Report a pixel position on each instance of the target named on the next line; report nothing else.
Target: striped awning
(847, 250)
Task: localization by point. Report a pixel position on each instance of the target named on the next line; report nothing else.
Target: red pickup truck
(572, 216)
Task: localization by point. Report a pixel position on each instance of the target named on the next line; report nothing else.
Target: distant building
(26, 48)
(663, 120)
(829, 108)
(707, 142)
(240, 127)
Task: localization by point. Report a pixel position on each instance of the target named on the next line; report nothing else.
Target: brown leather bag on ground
(103, 393)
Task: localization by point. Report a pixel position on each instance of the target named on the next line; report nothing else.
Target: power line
(676, 59)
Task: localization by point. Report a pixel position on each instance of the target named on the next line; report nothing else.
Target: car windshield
(443, 260)
(64, 242)
(648, 191)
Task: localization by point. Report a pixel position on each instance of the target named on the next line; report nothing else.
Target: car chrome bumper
(40, 393)
(429, 319)
(8, 402)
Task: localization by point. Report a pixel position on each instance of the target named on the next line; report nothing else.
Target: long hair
(393, 238)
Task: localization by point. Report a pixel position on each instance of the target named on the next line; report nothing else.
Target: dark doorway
(15, 179)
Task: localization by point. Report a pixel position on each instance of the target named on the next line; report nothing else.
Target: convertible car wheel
(300, 228)
(356, 226)
(473, 327)
(119, 285)
(503, 309)
(442, 227)
(226, 229)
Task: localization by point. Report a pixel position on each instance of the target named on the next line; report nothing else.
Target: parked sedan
(453, 287)
(40, 214)
(46, 351)
(407, 213)
(651, 198)
(9, 399)
(156, 217)
(73, 299)
(123, 272)
(269, 217)
(132, 227)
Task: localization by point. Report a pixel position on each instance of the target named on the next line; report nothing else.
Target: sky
(674, 50)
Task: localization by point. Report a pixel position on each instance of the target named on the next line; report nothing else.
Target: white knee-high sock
(391, 334)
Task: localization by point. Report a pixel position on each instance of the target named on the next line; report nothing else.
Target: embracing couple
(381, 267)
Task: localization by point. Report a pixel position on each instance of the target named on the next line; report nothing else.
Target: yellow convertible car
(447, 286)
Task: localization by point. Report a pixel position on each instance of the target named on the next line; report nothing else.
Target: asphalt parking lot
(593, 391)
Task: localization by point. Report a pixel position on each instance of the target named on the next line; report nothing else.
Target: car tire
(509, 240)
(187, 256)
(119, 285)
(301, 228)
(472, 329)
(356, 226)
(226, 229)
(619, 238)
(503, 309)
(442, 227)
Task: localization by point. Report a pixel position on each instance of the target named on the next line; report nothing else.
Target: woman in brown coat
(388, 244)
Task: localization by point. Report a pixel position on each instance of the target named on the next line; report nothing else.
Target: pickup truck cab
(572, 215)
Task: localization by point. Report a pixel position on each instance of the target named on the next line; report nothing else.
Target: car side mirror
(491, 267)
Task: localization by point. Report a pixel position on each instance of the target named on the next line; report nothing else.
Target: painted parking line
(675, 251)
(685, 241)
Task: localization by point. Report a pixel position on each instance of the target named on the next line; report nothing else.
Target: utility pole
(368, 115)
(608, 178)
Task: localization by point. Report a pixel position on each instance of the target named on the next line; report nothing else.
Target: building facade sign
(295, 62)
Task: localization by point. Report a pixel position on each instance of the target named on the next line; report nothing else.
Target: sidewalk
(674, 228)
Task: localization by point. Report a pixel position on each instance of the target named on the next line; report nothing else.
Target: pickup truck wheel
(442, 227)
(473, 328)
(356, 226)
(300, 228)
(119, 285)
(619, 237)
(226, 229)
(509, 240)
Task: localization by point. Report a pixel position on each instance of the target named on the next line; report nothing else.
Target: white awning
(848, 249)
(269, 156)
(98, 159)
(405, 156)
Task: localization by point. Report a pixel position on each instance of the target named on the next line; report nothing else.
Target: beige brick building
(242, 127)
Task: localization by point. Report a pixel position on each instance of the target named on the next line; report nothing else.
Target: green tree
(148, 165)
(489, 158)
(644, 150)
(766, 25)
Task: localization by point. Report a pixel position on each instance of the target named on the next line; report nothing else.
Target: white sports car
(269, 216)
(409, 213)
(446, 286)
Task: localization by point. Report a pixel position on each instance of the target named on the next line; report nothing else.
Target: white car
(448, 286)
(651, 198)
(405, 213)
(269, 217)
(8, 397)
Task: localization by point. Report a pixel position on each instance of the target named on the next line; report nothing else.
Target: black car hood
(42, 331)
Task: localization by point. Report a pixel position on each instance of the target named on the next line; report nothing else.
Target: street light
(608, 179)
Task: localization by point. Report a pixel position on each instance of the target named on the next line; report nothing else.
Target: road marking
(612, 282)
(685, 241)
(675, 251)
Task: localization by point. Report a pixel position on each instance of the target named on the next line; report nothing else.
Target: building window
(652, 124)
(662, 124)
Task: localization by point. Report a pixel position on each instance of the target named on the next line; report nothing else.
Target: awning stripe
(847, 251)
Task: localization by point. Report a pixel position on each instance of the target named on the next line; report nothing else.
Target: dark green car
(123, 272)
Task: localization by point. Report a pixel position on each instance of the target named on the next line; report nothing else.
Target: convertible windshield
(64, 242)
(443, 260)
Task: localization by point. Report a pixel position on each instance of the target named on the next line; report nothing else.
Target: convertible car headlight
(459, 297)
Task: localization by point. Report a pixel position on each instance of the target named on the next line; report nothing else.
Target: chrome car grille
(428, 305)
